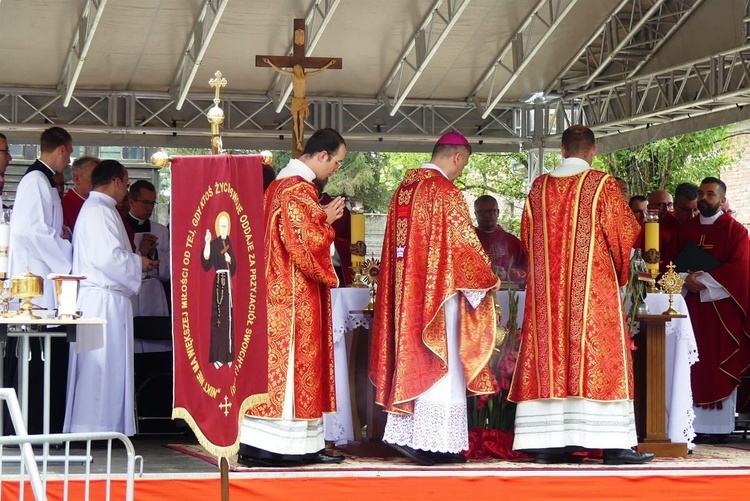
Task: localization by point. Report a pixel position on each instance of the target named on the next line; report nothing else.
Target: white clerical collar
(297, 167)
(103, 196)
(435, 167)
(140, 221)
(50, 168)
(570, 167)
(712, 219)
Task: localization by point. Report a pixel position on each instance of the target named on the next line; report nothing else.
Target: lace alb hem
(433, 427)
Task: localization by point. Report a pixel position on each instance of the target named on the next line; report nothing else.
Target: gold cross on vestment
(226, 405)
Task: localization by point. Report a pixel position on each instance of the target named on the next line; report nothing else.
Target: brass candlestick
(671, 283)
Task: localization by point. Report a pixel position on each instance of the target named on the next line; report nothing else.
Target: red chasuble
(578, 232)
(430, 253)
(723, 342)
(299, 275)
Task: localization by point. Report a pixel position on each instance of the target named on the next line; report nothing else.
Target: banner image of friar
(218, 293)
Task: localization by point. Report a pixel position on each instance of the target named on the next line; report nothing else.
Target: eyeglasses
(148, 203)
(338, 162)
(487, 211)
(7, 152)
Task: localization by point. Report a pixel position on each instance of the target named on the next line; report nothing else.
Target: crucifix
(298, 62)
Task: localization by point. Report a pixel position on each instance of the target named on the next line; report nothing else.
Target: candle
(651, 243)
(358, 238)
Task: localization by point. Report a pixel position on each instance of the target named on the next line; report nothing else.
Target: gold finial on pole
(216, 114)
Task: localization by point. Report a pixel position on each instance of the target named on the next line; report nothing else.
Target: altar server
(100, 376)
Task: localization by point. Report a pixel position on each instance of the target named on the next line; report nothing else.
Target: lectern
(650, 388)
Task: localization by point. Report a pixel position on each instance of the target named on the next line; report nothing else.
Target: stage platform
(176, 468)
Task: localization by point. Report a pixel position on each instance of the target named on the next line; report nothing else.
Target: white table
(682, 352)
(346, 312)
(23, 366)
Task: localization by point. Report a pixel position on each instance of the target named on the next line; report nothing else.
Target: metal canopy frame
(627, 41)
(513, 58)
(435, 27)
(79, 47)
(195, 48)
(706, 85)
(601, 87)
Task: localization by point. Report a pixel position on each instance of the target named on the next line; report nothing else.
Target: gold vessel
(27, 287)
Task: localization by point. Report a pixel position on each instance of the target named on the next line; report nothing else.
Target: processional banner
(218, 295)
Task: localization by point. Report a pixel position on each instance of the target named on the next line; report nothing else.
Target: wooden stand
(650, 388)
(362, 394)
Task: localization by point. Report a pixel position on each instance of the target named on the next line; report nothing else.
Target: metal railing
(69, 460)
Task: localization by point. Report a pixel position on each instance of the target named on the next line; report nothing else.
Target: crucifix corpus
(298, 62)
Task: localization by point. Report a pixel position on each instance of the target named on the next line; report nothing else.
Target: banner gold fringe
(218, 451)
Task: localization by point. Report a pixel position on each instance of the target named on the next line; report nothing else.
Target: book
(693, 258)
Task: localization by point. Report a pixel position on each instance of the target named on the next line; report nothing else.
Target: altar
(681, 353)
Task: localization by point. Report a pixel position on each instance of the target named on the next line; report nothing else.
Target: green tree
(665, 163)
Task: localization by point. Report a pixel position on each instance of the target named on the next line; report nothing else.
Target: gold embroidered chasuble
(299, 274)
(430, 253)
(578, 233)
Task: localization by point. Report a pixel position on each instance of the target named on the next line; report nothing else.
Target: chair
(153, 376)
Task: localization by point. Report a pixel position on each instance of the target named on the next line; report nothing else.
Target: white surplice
(100, 374)
(151, 300)
(36, 243)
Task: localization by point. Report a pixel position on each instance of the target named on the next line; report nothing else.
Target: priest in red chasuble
(574, 381)
(287, 429)
(718, 303)
(434, 325)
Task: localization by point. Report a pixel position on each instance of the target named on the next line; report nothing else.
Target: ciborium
(27, 287)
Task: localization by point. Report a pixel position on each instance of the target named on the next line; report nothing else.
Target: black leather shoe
(626, 456)
(323, 458)
(563, 458)
(414, 454)
(445, 457)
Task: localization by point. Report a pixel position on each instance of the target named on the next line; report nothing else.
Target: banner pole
(224, 464)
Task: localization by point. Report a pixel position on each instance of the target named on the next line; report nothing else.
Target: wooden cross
(225, 406)
(298, 62)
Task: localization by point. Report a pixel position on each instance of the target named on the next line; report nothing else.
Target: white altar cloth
(682, 352)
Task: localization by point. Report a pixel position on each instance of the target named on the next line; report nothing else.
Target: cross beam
(417, 55)
(519, 51)
(627, 41)
(195, 48)
(79, 47)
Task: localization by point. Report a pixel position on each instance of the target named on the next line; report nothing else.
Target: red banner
(218, 295)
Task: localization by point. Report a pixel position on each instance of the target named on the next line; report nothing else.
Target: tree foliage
(665, 163)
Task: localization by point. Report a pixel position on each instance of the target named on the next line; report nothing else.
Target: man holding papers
(715, 254)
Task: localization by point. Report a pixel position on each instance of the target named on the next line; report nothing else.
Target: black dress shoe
(323, 458)
(246, 460)
(626, 456)
(562, 458)
(445, 457)
(414, 454)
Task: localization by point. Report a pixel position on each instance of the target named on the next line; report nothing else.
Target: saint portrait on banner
(218, 255)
